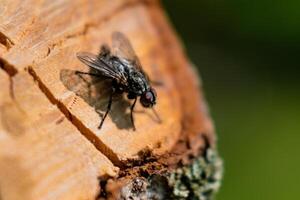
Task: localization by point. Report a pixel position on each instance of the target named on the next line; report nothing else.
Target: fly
(123, 67)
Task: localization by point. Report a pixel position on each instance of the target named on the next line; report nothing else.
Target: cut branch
(51, 147)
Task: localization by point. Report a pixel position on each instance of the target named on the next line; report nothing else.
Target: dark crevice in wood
(86, 132)
(8, 68)
(6, 41)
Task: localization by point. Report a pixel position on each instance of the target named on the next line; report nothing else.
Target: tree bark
(51, 147)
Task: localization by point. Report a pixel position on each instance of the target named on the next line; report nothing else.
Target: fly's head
(148, 98)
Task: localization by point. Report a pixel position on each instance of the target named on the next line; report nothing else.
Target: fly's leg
(108, 109)
(131, 113)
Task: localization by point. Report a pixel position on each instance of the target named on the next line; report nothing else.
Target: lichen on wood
(199, 180)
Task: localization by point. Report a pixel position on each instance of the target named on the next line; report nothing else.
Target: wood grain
(42, 155)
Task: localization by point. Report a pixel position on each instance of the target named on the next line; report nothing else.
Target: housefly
(123, 67)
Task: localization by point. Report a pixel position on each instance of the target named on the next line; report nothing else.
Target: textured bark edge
(200, 180)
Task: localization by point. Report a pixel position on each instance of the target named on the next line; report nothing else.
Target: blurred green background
(248, 55)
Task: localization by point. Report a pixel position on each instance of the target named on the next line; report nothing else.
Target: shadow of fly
(123, 67)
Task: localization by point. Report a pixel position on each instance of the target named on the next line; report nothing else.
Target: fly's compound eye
(148, 99)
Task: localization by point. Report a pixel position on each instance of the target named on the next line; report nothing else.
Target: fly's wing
(102, 66)
(123, 49)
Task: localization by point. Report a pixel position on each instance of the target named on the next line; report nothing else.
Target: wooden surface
(51, 147)
(52, 60)
(41, 151)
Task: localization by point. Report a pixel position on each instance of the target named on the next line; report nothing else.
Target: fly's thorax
(138, 83)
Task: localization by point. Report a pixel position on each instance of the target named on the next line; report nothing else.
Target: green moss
(200, 180)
